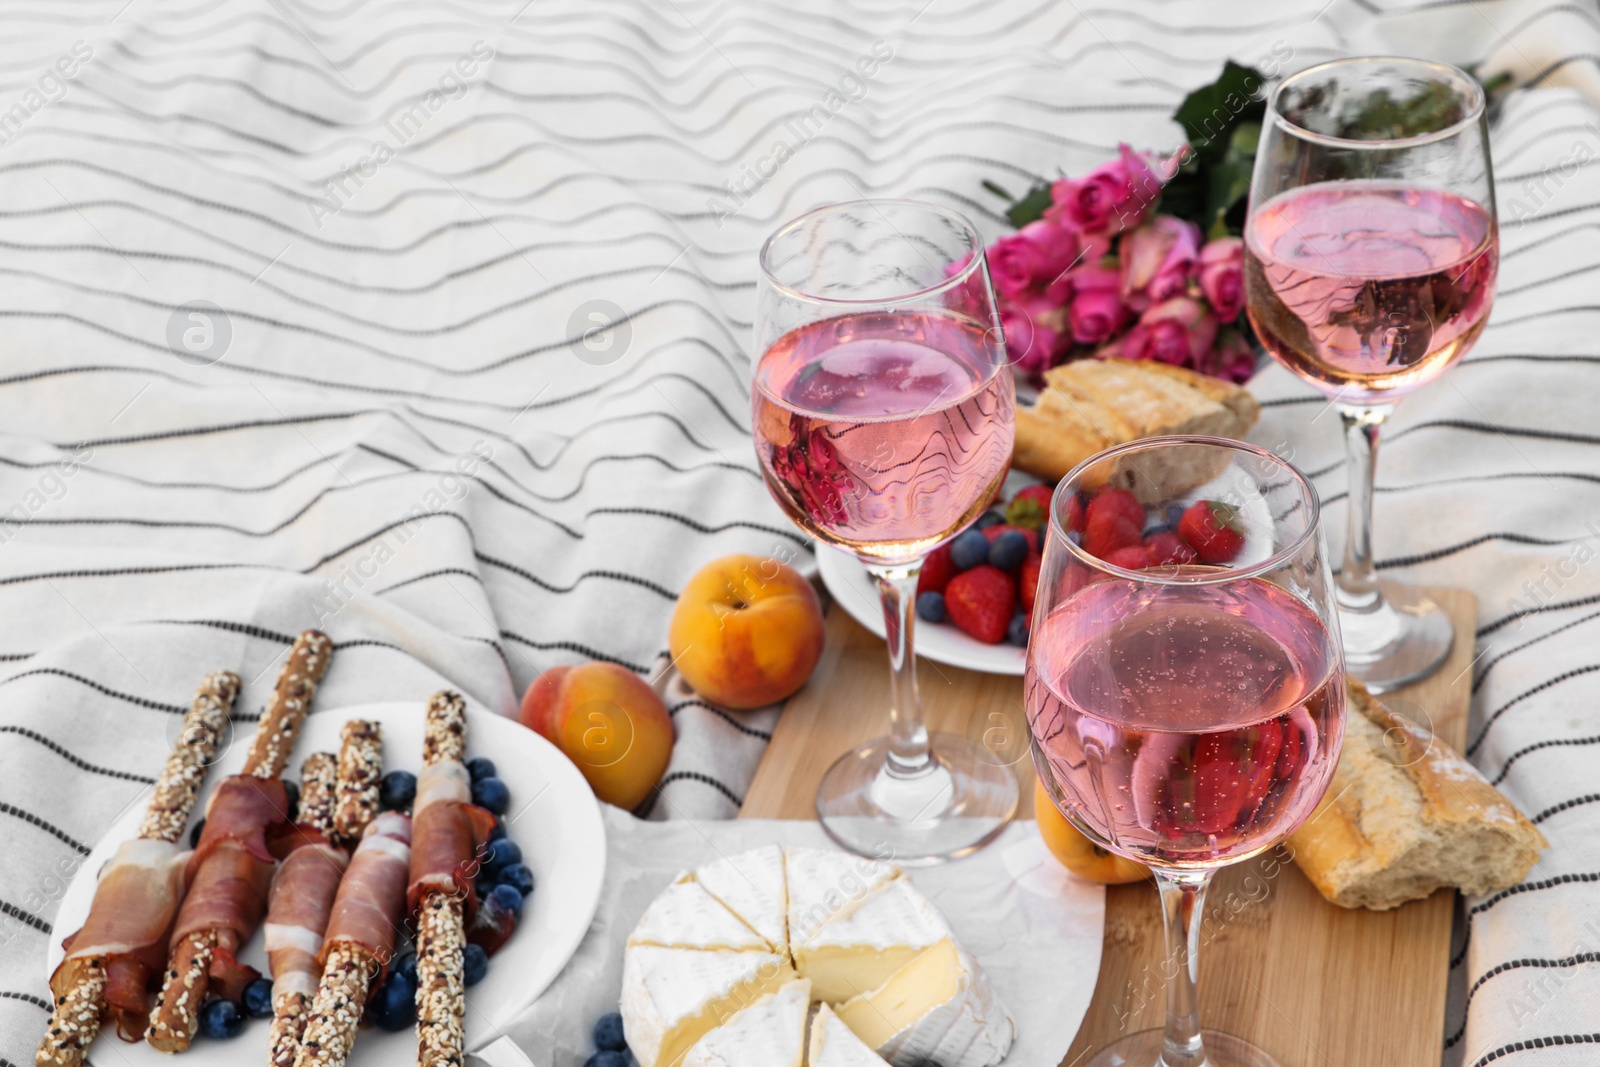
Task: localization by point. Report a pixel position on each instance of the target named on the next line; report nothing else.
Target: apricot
(747, 631)
(608, 722)
(1077, 853)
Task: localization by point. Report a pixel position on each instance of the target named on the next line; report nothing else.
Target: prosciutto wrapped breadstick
(123, 942)
(233, 862)
(449, 832)
(359, 944)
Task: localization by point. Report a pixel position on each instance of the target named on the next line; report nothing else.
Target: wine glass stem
(1358, 580)
(908, 734)
(1183, 898)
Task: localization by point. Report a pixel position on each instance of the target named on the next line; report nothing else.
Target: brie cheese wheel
(936, 1009)
(753, 886)
(723, 966)
(769, 1033)
(833, 1044)
(673, 997)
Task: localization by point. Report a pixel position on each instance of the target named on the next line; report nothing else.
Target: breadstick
(318, 779)
(177, 1013)
(78, 1010)
(341, 998)
(360, 770)
(441, 921)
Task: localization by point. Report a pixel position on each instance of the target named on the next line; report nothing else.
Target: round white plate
(554, 818)
(942, 642)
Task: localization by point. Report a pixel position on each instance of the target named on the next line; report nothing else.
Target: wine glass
(1371, 249)
(1188, 715)
(883, 412)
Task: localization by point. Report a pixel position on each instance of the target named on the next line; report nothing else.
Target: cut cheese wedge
(769, 1033)
(833, 1044)
(686, 916)
(936, 1009)
(866, 941)
(672, 997)
(824, 885)
(752, 886)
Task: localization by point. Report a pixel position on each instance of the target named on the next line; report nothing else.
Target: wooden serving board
(1313, 984)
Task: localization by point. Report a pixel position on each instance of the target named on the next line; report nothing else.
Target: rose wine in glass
(883, 411)
(1371, 253)
(1187, 716)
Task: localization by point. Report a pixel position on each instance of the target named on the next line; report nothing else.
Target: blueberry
(508, 897)
(608, 1058)
(397, 791)
(930, 607)
(395, 1006)
(1009, 550)
(258, 999)
(221, 1018)
(499, 830)
(491, 793)
(406, 966)
(481, 767)
(474, 964)
(988, 519)
(498, 855)
(608, 1036)
(1075, 537)
(969, 550)
(1017, 632)
(292, 790)
(1174, 515)
(194, 835)
(518, 875)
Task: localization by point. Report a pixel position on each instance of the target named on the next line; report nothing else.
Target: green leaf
(1209, 114)
(1031, 207)
(997, 191)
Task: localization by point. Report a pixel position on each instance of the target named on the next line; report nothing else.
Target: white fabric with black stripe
(394, 415)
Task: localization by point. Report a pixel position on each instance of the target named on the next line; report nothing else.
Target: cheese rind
(938, 1008)
(671, 997)
(769, 1033)
(825, 886)
(833, 1044)
(686, 916)
(754, 887)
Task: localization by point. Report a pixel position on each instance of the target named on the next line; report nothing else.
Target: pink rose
(1097, 311)
(1232, 358)
(1158, 259)
(1113, 197)
(1222, 276)
(1032, 257)
(1033, 332)
(1177, 331)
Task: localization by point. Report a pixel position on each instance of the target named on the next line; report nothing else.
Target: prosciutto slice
(371, 903)
(228, 894)
(128, 926)
(298, 907)
(448, 832)
(249, 811)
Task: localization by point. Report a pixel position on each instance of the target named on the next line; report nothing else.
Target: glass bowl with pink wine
(1187, 715)
(883, 411)
(1371, 250)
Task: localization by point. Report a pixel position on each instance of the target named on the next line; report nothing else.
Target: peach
(1077, 853)
(608, 722)
(747, 631)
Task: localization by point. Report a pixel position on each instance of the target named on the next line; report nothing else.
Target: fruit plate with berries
(540, 884)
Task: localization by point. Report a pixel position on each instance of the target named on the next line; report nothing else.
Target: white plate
(554, 818)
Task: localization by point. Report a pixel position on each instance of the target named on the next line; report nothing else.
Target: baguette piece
(1091, 404)
(1406, 815)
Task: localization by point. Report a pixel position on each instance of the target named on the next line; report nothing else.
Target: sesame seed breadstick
(290, 1012)
(176, 1019)
(291, 700)
(330, 1031)
(360, 770)
(318, 777)
(75, 1021)
(441, 924)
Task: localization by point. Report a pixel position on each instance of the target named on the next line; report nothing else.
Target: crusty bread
(1406, 815)
(1091, 404)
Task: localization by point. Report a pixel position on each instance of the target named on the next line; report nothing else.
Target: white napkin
(1033, 927)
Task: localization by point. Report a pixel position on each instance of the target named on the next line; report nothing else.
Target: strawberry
(1030, 508)
(994, 532)
(1168, 547)
(1115, 519)
(1028, 581)
(1075, 512)
(1213, 530)
(1132, 557)
(937, 570)
(981, 601)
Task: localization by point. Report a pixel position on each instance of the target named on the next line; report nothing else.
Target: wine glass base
(1144, 1048)
(1403, 638)
(958, 804)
